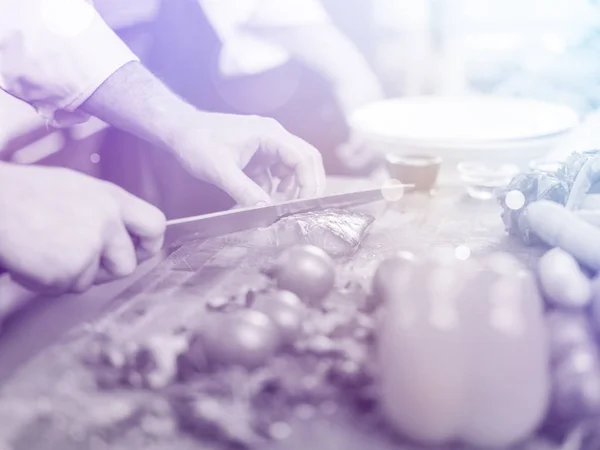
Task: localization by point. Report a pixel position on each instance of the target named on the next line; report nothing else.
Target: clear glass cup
(481, 179)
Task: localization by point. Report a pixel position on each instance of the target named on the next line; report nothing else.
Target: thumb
(242, 189)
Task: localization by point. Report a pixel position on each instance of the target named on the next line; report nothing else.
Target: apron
(184, 54)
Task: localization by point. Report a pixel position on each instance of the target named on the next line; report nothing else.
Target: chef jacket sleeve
(55, 53)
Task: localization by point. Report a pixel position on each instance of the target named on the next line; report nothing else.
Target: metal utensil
(211, 225)
(216, 224)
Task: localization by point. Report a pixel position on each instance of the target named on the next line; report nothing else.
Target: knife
(217, 224)
(227, 222)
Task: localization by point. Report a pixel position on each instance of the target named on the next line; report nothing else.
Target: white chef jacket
(55, 53)
(242, 52)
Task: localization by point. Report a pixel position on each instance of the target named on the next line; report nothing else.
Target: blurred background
(544, 49)
(548, 49)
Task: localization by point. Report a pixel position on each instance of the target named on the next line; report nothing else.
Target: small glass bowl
(481, 179)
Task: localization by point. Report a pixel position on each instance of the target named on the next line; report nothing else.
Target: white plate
(463, 121)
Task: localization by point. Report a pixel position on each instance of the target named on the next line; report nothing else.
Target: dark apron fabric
(184, 54)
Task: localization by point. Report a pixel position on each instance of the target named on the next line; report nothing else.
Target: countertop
(418, 223)
(176, 290)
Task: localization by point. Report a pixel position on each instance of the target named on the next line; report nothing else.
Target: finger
(33, 284)
(281, 171)
(301, 157)
(144, 221)
(47, 286)
(287, 185)
(264, 179)
(52, 279)
(242, 189)
(118, 256)
(103, 276)
(144, 254)
(87, 278)
(310, 167)
(560, 227)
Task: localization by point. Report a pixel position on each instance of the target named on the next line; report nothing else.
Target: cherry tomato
(307, 271)
(285, 310)
(246, 338)
(288, 298)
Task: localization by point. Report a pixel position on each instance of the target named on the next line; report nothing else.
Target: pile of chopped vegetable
(440, 351)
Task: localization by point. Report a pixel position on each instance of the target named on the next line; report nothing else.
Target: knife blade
(227, 222)
(221, 223)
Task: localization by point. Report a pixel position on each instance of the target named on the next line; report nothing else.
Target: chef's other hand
(226, 144)
(213, 147)
(60, 230)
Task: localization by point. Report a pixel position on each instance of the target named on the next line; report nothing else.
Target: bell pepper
(463, 352)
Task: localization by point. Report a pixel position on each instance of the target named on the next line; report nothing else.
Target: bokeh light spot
(67, 18)
(515, 200)
(462, 252)
(392, 190)
(95, 158)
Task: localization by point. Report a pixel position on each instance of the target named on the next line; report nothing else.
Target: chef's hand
(214, 147)
(61, 231)
(221, 146)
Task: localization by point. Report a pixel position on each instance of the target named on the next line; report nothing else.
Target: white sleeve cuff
(55, 60)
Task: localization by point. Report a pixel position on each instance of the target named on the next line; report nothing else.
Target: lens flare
(462, 252)
(392, 190)
(515, 200)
